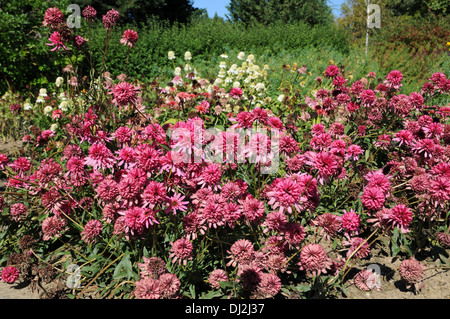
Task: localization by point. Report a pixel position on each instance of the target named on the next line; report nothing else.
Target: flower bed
(208, 189)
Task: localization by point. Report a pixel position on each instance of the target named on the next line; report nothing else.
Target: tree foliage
(23, 53)
(285, 11)
(141, 10)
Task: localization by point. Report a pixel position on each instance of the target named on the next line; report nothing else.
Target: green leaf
(225, 284)
(171, 121)
(212, 294)
(124, 269)
(302, 288)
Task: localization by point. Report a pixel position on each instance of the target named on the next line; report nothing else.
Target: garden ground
(435, 286)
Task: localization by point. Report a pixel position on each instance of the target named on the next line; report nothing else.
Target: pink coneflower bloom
(383, 141)
(314, 259)
(236, 92)
(192, 225)
(89, 13)
(294, 234)
(169, 285)
(433, 130)
(135, 218)
(147, 158)
(200, 196)
(343, 99)
(443, 239)
(126, 157)
(53, 227)
(91, 231)
(245, 119)
(288, 145)
(14, 108)
(176, 203)
(10, 274)
(110, 212)
(110, 19)
(147, 288)
(365, 280)
(368, 98)
(373, 198)
(440, 190)
(378, 179)
(353, 152)
(55, 39)
(269, 285)
(416, 100)
(404, 137)
(203, 107)
(129, 38)
(152, 267)
(285, 194)
(274, 221)
(260, 115)
(21, 165)
(123, 134)
(53, 16)
(154, 192)
(216, 276)
(296, 162)
(210, 177)
(328, 223)
(357, 87)
(424, 147)
(124, 94)
(100, 157)
(275, 122)
(231, 191)
(79, 41)
(425, 120)
(72, 150)
(3, 161)
(441, 170)
(277, 262)
(339, 81)
(107, 190)
(181, 251)
(18, 211)
(350, 222)
(399, 216)
(252, 209)
(212, 212)
(412, 271)
(241, 252)
(232, 212)
(401, 105)
(258, 148)
(394, 79)
(318, 129)
(249, 275)
(324, 162)
(331, 71)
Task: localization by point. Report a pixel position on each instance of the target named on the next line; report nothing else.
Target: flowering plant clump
(212, 189)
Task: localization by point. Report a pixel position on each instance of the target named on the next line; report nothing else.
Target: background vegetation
(412, 38)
